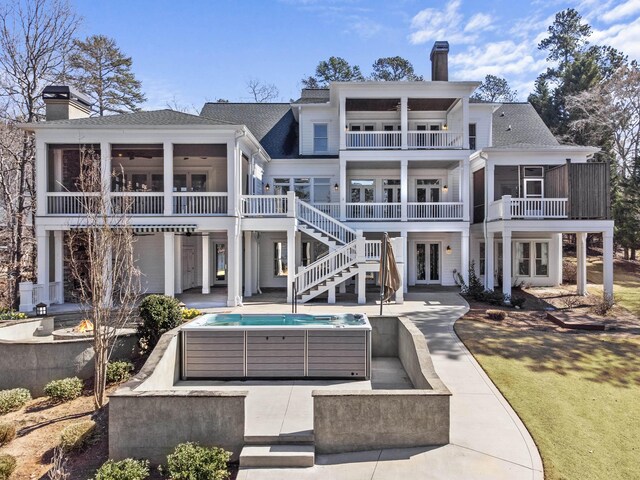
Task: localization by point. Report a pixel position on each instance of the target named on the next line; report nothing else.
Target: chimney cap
(64, 92)
(440, 46)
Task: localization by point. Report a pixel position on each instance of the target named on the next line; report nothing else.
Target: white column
(464, 255)
(255, 254)
(404, 122)
(506, 263)
(343, 189)
(105, 172)
(206, 264)
(343, 122)
(607, 263)
(248, 264)
(404, 188)
(489, 261)
(234, 267)
(42, 244)
(231, 177)
(400, 291)
(581, 257)
(465, 122)
(169, 269)
(465, 180)
(58, 237)
(41, 173)
(291, 261)
(362, 288)
(490, 182)
(168, 177)
(331, 294)
(177, 263)
(558, 264)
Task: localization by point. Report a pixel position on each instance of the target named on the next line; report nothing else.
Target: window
(523, 259)
(391, 191)
(362, 191)
(472, 136)
(482, 258)
(427, 190)
(302, 187)
(281, 186)
(320, 137)
(542, 259)
(321, 190)
(280, 267)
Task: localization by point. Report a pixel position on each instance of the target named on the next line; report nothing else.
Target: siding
(319, 115)
(448, 262)
(148, 252)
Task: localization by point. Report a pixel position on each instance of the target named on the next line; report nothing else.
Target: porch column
(343, 122)
(232, 193)
(490, 183)
(343, 189)
(404, 123)
(465, 123)
(559, 254)
(105, 172)
(248, 264)
(506, 263)
(169, 268)
(42, 245)
(58, 247)
(177, 263)
(206, 264)
(255, 254)
(607, 263)
(167, 156)
(404, 188)
(489, 262)
(581, 257)
(291, 261)
(464, 188)
(362, 288)
(234, 263)
(42, 176)
(331, 295)
(464, 255)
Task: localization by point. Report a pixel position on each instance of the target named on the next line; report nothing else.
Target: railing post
(361, 256)
(26, 297)
(404, 122)
(506, 207)
(291, 204)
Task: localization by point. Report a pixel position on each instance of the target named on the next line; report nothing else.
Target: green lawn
(626, 282)
(578, 394)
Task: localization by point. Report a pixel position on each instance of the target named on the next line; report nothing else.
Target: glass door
(220, 265)
(362, 191)
(427, 190)
(427, 263)
(391, 194)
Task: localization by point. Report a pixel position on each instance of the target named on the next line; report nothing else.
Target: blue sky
(193, 51)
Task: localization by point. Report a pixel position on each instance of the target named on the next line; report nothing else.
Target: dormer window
(320, 138)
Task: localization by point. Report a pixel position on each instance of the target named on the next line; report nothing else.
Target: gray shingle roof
(313, 95)
(149, 118)
(519, 123)
(272, 124)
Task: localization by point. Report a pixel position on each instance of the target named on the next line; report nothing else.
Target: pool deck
(285, 407)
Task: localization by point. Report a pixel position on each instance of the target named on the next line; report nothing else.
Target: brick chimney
(440, 61)
(64, 103)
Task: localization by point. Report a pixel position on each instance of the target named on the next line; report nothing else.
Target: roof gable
(519, 123)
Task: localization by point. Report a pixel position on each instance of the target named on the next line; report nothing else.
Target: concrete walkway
(488, 440)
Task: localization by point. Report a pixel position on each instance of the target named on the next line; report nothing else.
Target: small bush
(64, 390)
(159, 314)
(7, 466)
(12, 315)
(127, 469)
(7, 432)
(13, 399)
(190, 461)
(75, 436)
(571, 301)
(189, 313)
(569, 272)
(119, 371)
(497, 315)
(603, 306)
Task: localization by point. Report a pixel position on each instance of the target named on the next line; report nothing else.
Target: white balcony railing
(68, 203)
(508, 208)
(434, 211)
(331, 209)
(374, 211)
(372, 249)
(138, 203)
(200, 203)
(442, 139)
(264, 205)
(374, 140)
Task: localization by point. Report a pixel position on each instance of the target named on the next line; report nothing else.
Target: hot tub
(285, 346)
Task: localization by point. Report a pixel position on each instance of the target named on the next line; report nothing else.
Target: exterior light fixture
(445, 188)
(336, 187)
(41, 309)
(182, 305)
(448, 250)
(267, 187)
(445, 127)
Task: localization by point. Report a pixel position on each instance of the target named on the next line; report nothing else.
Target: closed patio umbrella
(389, 276)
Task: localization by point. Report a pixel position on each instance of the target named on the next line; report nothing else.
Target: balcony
(416, 140)
(508, 208)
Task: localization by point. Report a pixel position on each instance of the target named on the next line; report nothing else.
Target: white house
(297, 195)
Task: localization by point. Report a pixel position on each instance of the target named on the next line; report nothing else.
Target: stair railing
(326, 267)
(324, 223)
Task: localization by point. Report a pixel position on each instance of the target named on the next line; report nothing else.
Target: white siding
(319, 115)
(148, 251)
(266, 246)
(447, 262)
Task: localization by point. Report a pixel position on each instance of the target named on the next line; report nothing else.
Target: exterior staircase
(278, 451)
(346, 253)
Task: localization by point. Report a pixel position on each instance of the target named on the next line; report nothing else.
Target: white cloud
(623, 36)
(479, 22)
(621, 11)
(434, 24)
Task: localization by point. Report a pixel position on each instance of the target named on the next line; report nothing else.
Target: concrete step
(277, 456)
(298, 438)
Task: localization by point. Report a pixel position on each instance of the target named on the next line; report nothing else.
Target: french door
(220, 263)
(428, 190)
(428, 263)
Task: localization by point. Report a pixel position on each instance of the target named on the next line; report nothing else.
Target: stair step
(277, 456)
(299, 438)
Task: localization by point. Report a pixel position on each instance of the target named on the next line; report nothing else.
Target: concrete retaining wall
(31, 362)
(346, 421)
(147, 418)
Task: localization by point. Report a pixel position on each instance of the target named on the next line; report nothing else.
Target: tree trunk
(633, 254)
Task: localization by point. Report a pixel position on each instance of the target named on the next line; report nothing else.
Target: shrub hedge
(159, 314)
(190, 461)
(119, 371)
(75, 436)
(64, 390)
(127, 469)
(7, 432)
(13, 399)
(7, 466)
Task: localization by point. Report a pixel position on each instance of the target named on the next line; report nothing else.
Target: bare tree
(36, 37)
(102, 264)
(261, 91)
(174, 104)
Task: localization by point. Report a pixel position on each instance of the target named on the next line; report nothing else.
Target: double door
(428, 263)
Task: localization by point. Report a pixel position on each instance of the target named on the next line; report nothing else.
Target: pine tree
(103, 72)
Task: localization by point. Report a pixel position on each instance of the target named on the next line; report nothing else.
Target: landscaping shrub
(7, 432)
(7, 466)
(189, 313)
(571, 301)
(569, 272)
(603, 306)
(64, 390)
(159, 314)
(76, 435)
(13, 399)
(6, 314)
(190, 461)
(497, 315)
(119, 371)
(127, 469)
